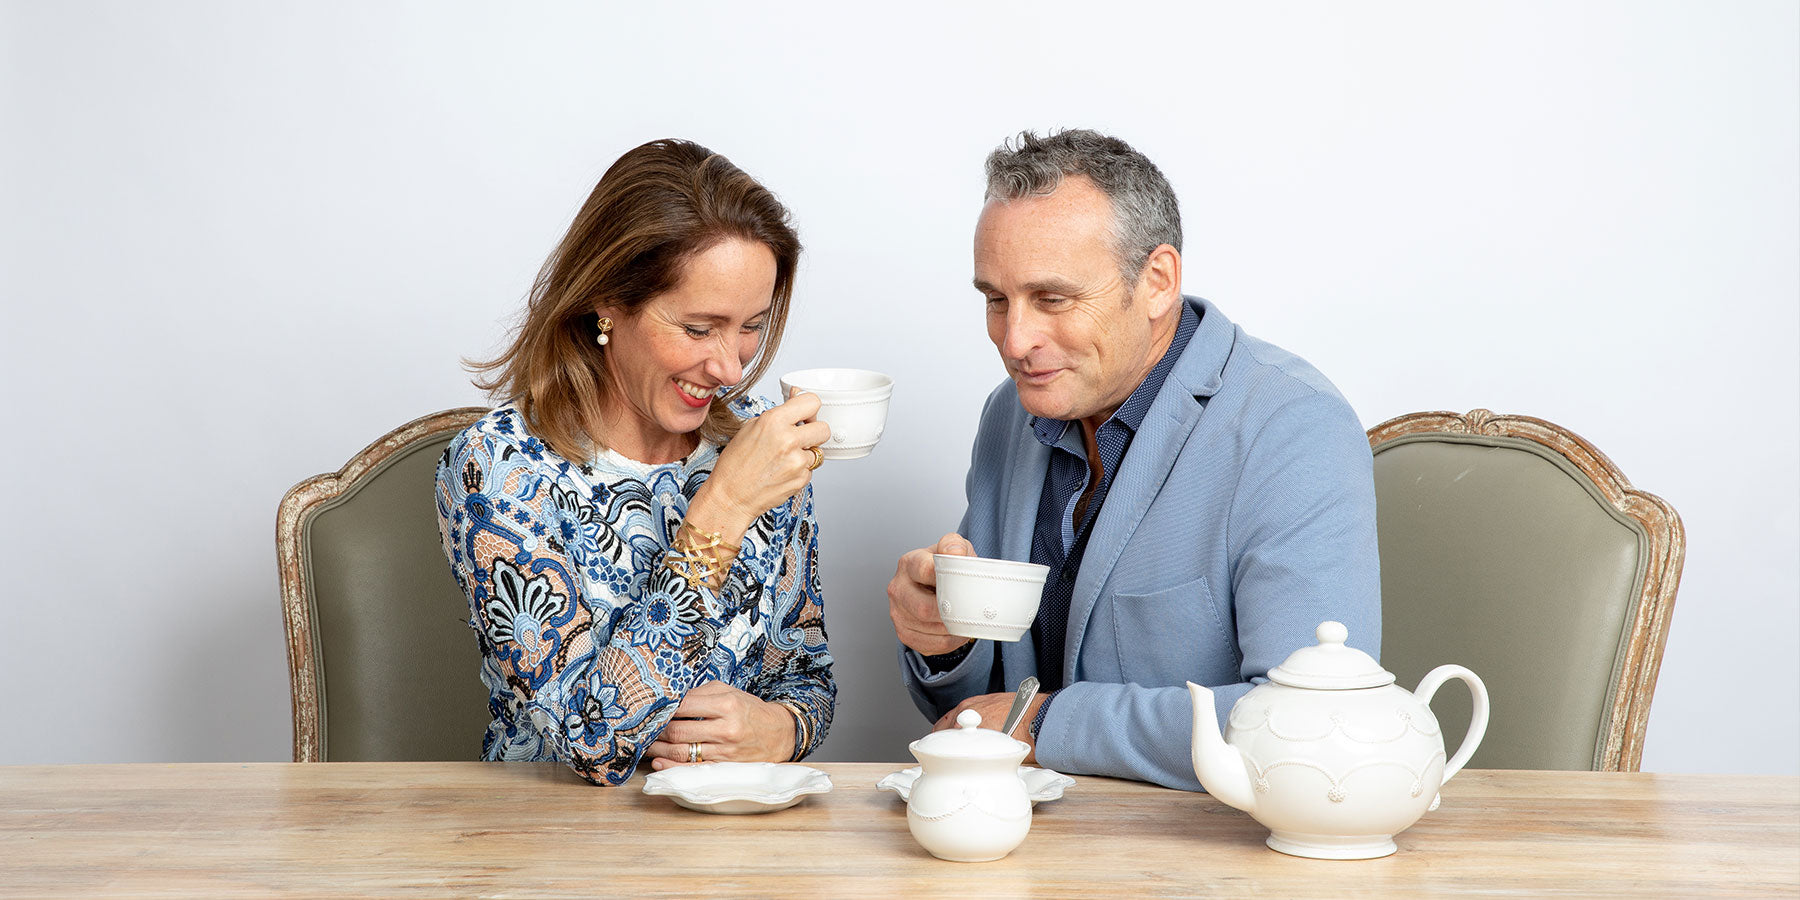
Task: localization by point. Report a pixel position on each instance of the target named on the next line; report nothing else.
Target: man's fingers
(919, 567)
(954, 544)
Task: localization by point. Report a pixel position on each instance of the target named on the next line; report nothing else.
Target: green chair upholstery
(1513, 547)
(381, 661)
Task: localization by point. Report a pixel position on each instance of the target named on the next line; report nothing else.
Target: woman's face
(667, 362)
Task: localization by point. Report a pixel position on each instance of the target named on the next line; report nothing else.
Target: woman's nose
(723, 365)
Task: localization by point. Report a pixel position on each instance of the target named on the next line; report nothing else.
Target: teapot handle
(1478, 721)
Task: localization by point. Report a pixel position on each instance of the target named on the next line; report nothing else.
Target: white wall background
(238, 241)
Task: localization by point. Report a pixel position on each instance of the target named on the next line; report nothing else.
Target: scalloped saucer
(733, 789)
(1040, 784)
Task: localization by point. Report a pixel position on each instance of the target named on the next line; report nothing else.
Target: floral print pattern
(520, 611)
(588, 640)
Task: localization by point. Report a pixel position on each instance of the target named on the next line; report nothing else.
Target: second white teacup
(988, 598)
(853, 402)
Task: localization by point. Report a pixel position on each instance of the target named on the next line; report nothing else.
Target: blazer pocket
(1170, 636)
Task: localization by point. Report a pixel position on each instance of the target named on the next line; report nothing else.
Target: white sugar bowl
(969, 803)
(1330, 755)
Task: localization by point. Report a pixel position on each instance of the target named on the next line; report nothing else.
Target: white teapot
(1331, 755)
(969, 803)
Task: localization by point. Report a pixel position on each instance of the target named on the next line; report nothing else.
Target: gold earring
(605, 326)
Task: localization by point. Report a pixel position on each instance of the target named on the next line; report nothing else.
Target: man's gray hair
(1145, 214)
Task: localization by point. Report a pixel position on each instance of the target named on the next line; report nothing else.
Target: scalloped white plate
(1040, 784)
(736, 789)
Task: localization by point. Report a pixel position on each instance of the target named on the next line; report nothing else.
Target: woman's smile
(692, 394)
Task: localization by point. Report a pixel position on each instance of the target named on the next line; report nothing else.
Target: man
(1203, 499)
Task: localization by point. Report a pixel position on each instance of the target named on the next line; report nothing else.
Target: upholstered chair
(1514, 547)
(381, 661)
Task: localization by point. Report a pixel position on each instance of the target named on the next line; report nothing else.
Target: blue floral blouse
(588, 640)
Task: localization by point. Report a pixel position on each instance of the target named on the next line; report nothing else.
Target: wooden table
(459, 829)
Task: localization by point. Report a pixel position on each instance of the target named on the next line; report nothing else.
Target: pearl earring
(605, 326)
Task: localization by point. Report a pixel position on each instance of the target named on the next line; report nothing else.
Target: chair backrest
(381, 661)
(1513, 547)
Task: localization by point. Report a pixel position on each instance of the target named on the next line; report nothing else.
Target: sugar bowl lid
(1330, 665)
(968, 741)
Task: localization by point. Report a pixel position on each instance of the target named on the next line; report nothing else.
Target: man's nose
(1022, 332)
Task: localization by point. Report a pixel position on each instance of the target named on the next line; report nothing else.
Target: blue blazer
(1242, 516)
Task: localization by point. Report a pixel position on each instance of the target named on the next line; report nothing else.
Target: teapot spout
(1220, 767)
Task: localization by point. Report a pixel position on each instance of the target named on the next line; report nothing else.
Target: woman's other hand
(729, 725)
(770, 460)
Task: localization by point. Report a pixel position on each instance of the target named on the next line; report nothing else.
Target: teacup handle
(1478, 721)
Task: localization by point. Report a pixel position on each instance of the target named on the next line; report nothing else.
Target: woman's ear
(603, 323)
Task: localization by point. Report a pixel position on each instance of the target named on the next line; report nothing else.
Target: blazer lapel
(1168, 425)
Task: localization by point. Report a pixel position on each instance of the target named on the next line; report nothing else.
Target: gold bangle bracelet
(699, 561)
(802, 730)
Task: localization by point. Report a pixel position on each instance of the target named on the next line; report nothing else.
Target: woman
(635, 535)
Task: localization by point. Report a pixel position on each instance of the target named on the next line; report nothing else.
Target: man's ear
(1159, 282)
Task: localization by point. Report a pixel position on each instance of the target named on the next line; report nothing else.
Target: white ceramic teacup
(853, 402)
(988, 598)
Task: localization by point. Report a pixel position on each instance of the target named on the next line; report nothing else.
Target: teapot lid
(969, 741)
(1329, 665)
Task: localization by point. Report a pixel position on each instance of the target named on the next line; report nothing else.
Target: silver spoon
(1021, 702)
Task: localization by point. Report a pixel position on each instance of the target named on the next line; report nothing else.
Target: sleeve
(796, 669)
(936, 693)
(1301, 536)
(596, 693)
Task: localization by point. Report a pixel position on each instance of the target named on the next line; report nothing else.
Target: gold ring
(694, 754)
(818, 458)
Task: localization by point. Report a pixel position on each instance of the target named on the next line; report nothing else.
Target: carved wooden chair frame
(298, 506)
(1623, 749)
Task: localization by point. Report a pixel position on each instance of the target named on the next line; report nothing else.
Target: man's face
(1074, 340)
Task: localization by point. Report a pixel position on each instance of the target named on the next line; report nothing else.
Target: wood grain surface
(535, 830)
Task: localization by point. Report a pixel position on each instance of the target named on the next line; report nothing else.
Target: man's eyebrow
(1053, 286)
(1044, 286)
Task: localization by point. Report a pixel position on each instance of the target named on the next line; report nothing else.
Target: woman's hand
(729, 725)
(770, 460)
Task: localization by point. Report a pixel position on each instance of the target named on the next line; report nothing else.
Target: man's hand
(993, 709)
(912, 598)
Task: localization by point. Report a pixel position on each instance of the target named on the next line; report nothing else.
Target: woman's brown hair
(656, 208)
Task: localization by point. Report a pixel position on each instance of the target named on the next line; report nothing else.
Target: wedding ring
(694, 754)
(818, 458)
